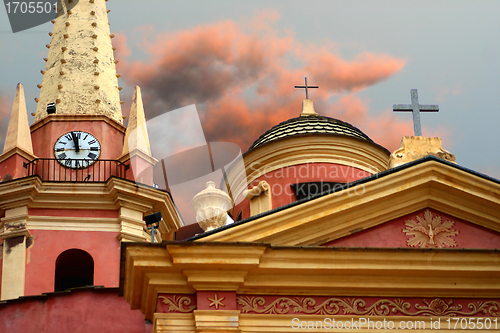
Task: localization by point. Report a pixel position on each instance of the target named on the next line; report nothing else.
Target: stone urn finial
(211, 206)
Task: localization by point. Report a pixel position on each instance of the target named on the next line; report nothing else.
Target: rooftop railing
(84, 170)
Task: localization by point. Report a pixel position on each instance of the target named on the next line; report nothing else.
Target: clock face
(77, 149)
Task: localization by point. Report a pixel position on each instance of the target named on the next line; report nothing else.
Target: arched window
(74, 268)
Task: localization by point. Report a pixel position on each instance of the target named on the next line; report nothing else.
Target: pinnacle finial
(18, 132)
(136, 136)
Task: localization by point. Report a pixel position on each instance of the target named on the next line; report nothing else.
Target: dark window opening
(306, 190)
(74, 268)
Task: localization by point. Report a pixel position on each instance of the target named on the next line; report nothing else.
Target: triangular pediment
(426, 228)
(455, 193)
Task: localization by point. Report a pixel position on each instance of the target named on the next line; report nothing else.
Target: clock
(77, 149)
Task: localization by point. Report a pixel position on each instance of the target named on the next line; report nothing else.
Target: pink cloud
(240, 76)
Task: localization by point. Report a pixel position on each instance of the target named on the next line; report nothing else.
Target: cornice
(76, 118)
(73, 223)
(426, 185)
(139, 153)
(17, 151)
(321, 271)
(111, 195)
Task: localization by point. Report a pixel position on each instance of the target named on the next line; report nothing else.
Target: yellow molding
(76, 118)
(213, 321)
(140, 153)
(309, 271)
(73, 223)
(17, 151)
(114, 194)
(264, 323)
(427, 185)
(174, 322)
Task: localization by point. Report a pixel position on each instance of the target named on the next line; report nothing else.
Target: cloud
(241, 75)
(445, 92)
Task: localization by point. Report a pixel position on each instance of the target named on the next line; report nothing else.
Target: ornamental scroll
(382, 307)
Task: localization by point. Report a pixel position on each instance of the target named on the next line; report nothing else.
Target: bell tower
(68, 194)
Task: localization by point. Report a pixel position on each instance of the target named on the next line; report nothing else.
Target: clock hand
(75, 140)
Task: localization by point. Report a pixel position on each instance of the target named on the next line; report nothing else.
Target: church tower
(68, 194)
(80, 76)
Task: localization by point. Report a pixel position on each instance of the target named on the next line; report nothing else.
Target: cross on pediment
(415, 108)
(306, 87)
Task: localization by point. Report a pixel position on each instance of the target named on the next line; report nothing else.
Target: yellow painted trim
(253, 323)
(19, 151)
(76, 118)
(73, 223)
(115, 194)
(250, 268)
(426, 185)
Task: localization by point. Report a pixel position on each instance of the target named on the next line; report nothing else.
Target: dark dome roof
(304, 125)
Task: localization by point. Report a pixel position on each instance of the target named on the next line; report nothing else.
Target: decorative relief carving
(383, 307)
(216, 302)
(430, 232)
(178, 303)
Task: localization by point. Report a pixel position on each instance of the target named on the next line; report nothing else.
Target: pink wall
(72, 212)
(281, 179)
(391, 235)
(110, 138)
(13, 166)
(104, 248)
(80, 311)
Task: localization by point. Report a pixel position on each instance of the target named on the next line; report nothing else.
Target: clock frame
(77, 149)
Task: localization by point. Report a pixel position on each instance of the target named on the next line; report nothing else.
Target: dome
(310, 124)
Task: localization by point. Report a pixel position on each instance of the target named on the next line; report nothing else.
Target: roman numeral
(91, 142)
(94, 148)
(62, 156)
(69, 137)
(85, 138)
(92, 156)
(78, 134)
(60, 149)
(78, 165)
(68, 163)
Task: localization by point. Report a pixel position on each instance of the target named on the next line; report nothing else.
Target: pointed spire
(18, 133)
(136, 136)
(80, 74)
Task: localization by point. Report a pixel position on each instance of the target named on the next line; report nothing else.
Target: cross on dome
(306, 87)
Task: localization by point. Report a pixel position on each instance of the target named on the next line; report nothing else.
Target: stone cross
(415, 108)
(306, 87)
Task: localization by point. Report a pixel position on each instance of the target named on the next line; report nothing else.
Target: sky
(238, 62)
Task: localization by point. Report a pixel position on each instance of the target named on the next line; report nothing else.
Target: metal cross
(415, 108)
(306, 87)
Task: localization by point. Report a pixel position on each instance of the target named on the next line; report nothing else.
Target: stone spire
(18, 133)
(80, 76)
(136, 136)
